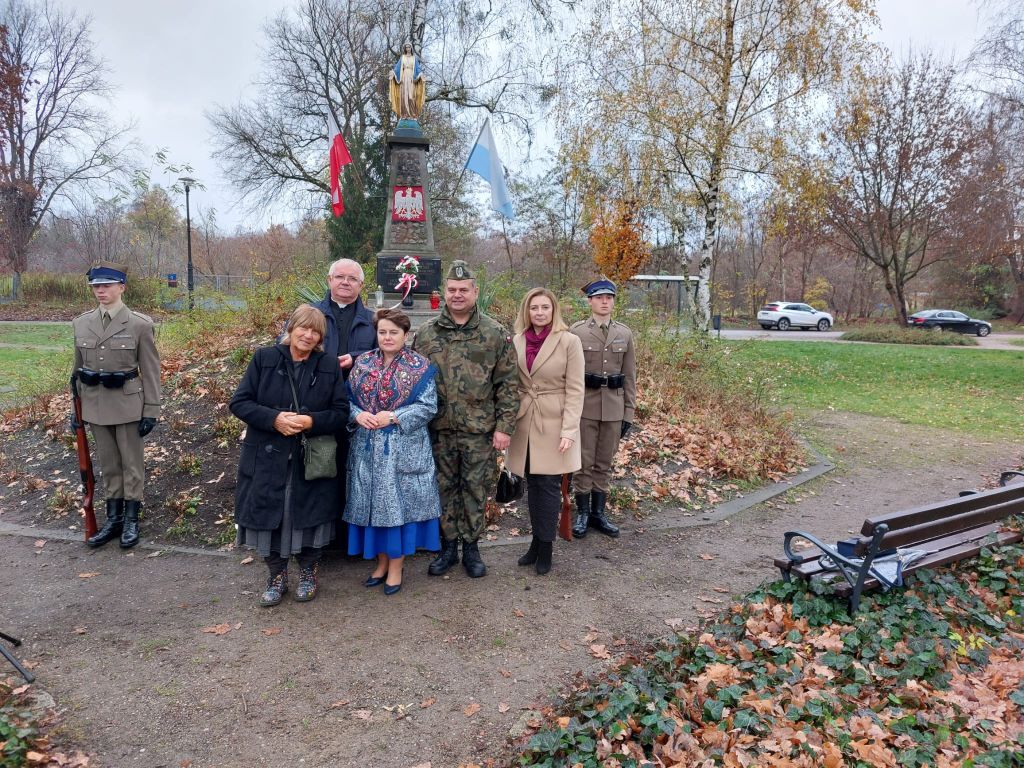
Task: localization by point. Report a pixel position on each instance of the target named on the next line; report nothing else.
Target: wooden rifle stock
(565, 518)
(84, 461)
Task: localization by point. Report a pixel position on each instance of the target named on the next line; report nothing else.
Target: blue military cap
(104, 272)
(599, 288)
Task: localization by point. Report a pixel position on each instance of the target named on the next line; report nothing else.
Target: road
(993, 341)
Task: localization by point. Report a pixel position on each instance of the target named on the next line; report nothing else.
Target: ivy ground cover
(932, 675)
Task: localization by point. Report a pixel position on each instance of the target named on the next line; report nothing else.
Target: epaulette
(577, 324)
(88, 311)
(147, 318)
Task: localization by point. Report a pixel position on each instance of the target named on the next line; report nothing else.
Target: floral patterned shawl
(376, 387)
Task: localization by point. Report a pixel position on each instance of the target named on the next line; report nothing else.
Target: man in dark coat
(350, 333)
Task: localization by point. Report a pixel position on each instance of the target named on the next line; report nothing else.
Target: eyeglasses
(345, 279)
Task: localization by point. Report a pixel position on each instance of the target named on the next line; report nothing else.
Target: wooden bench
(942, 533)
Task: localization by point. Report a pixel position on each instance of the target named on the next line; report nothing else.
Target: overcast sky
(172, 61)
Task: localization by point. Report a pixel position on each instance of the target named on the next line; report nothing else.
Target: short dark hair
(396, 316)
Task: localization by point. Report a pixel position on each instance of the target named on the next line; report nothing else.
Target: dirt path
(343, 681)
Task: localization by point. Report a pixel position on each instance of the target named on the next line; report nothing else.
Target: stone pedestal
(409, 223)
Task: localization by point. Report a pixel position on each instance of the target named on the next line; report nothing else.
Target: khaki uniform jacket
(552, 401)
(607, 357)
(476, 373)
(126, 343)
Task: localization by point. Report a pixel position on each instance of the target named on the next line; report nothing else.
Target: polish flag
(339, 157)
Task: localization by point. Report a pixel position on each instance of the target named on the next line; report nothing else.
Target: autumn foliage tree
(617, 239)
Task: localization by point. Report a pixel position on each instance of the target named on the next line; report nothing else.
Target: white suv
(784, 315)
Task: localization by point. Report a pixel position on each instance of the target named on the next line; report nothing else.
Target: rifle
(84, 460)
(565, 518)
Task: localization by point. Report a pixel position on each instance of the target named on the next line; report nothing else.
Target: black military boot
(579, 528)
(544, 557)
(448, 557)
(130, 533)
(471, 561)
(531, 554)
(598, 519)
(112, 528)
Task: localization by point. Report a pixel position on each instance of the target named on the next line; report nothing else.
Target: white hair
(356, 264)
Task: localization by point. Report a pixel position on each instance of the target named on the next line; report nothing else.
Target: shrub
(895, 335)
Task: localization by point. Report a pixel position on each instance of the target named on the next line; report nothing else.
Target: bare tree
(705, 91)
(54, 139)
(897, 155)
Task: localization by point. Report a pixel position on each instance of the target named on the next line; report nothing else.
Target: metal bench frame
(859, 571)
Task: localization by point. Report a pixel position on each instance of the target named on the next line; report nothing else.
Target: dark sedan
(949, 320)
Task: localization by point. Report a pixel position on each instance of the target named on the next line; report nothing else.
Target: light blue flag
(484, 162)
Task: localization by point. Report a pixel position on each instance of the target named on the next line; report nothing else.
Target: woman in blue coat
(278, 512)
(392, 506)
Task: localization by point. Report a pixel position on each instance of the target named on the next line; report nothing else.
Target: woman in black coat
(279, 513)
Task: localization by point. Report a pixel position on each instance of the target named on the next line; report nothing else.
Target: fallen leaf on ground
(518, 614)
(247, 560)
(706, 599)
(599, 651)
(504, 673)
(269, 631)
(87, 575)
(362, 714)
(218, 629)
(36, 757)
(503, 707)
(80, 630)
(564, 645)
(471, 709)
(20, 690)
(428, 702)
(675, 623)
(706, 556)
(421, 765)
(40, 542)
(338, 704)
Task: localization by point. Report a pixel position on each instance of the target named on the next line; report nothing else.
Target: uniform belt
(109, 379)
(596, 381)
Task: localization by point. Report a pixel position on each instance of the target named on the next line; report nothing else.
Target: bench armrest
(1004, 478)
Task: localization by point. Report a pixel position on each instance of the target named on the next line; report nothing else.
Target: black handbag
(510, 487)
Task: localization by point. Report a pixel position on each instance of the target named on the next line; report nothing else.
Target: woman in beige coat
(546, 441)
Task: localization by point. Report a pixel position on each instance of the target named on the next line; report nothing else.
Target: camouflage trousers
(467, 472)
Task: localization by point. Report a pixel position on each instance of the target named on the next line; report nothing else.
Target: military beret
(104, 272)
(460, 270)
(599, 288)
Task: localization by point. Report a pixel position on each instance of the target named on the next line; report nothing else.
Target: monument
(408, 223)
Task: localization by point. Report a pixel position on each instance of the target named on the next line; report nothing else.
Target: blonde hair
(523, 317)
(306, 316)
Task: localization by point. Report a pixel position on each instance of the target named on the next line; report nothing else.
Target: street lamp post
(188, 182)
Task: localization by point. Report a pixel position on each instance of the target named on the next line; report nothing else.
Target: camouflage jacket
(477, 388)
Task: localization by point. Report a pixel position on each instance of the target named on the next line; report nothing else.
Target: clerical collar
(341, 306)
(112, 309)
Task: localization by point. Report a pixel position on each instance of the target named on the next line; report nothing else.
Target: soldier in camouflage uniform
(477, 403)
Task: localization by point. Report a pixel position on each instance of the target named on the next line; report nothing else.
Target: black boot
(448, 557)
(579, 528)
(471, 561)
(544, 557)
(130, 534)
(531, 554)
(598, 519)
(112, 528)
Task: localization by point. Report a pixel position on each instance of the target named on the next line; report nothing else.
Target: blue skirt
(394, 541)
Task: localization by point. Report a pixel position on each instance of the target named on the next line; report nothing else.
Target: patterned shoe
(306, 590)
(277, 586)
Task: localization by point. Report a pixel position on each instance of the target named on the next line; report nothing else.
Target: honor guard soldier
(118, 372)
(477, 403)
(608, 405)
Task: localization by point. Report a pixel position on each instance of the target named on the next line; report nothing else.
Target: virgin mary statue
(407, 88)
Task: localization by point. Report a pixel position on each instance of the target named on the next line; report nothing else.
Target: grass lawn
(31, 334)
(975, 391)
